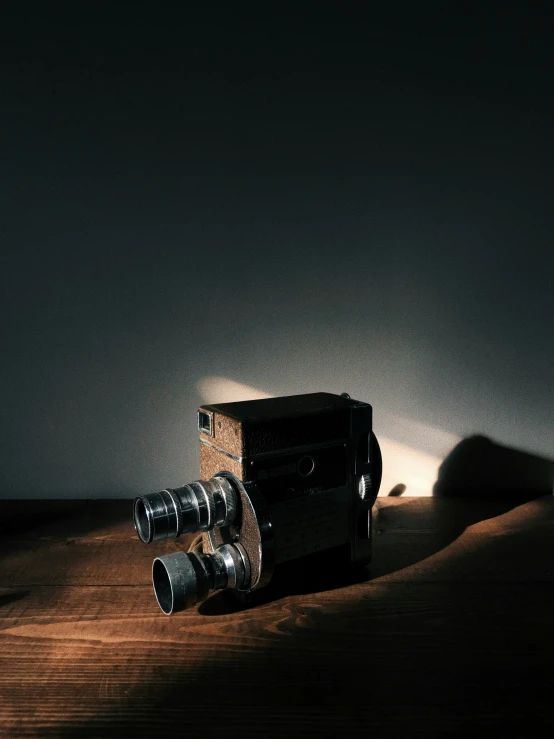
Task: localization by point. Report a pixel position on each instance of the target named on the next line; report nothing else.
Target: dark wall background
(340, 199)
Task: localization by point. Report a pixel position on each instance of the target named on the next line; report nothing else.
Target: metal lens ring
(206, 505)
(225, 500)
(174, 505)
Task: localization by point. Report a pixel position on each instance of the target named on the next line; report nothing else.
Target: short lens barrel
(182, 580)
(199, 506)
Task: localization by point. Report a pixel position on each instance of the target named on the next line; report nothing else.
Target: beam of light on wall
(417, 470)
(412, 453)
(223, 390)
(402, 463)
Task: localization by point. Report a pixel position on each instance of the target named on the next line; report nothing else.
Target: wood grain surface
(450, 632)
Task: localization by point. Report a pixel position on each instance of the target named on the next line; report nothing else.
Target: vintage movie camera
(282, 478)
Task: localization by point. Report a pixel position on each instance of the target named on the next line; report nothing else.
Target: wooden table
(451, 632)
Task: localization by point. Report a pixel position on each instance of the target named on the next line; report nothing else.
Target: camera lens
(182, 580)
(196, 507)
(158, 516)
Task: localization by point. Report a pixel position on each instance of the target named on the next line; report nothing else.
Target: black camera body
(282, 478)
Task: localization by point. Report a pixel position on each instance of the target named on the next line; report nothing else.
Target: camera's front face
(307, 494)
(310, 457)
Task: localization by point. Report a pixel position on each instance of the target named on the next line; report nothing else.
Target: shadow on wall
(478, 467)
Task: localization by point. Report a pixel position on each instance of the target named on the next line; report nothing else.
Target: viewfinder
(205, 422)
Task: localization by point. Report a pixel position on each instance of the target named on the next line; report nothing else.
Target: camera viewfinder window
(204, 422)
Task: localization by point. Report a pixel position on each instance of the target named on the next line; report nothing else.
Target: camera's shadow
(487, 479)
(315, 573)
(480, 468)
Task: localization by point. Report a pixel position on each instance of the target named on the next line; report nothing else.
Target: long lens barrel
(196, 507)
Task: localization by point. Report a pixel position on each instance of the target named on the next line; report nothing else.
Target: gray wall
(328, 213)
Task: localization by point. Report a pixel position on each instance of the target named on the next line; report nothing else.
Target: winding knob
(364, 486)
